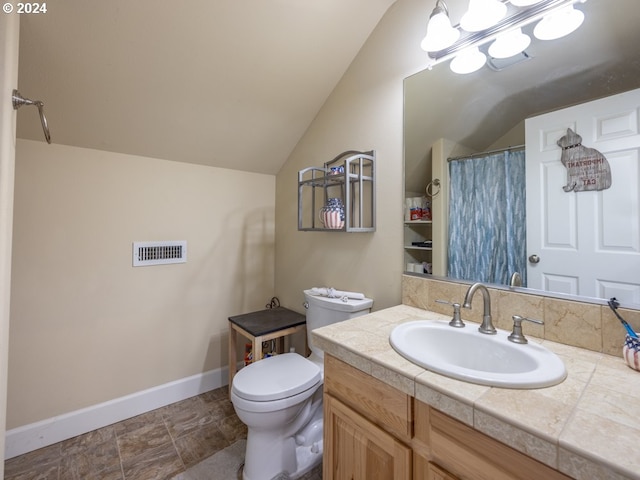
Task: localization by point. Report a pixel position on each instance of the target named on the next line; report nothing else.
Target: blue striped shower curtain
(487, 218)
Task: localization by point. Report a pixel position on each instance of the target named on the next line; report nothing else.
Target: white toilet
(280, 399)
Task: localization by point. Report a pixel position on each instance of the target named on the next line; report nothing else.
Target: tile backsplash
(580, 324)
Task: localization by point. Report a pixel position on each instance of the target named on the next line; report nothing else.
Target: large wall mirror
(487, 109)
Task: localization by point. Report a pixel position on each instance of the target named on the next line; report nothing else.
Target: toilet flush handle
(306, 305)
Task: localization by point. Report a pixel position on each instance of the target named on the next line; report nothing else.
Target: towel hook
(18, 100)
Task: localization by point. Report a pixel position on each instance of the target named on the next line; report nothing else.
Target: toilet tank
(323, 311)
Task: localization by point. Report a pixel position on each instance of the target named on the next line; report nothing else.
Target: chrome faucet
(515, 280)
(486, 326)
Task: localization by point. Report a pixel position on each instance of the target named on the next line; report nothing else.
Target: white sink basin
(466, 354)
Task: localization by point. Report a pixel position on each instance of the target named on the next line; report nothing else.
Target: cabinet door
(378, 402)
(356, 449)
(434, 472)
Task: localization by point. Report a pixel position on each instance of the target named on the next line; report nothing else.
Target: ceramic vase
(332, 214)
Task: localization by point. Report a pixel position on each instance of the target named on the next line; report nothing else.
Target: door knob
(534, 258)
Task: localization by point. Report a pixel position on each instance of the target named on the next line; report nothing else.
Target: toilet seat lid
(276, 377)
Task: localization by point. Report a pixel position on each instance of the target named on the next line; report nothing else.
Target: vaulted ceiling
(236, 83)
(227, 83)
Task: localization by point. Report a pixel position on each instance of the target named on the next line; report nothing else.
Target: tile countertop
(587, 427)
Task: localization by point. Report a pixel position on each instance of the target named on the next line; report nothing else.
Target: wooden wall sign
(587, 168)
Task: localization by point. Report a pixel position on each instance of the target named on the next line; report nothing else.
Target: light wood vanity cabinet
(367, 426)
(373, 431)
(466, 453)
(359, 449)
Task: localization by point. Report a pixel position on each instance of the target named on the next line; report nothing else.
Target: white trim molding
(52, 430)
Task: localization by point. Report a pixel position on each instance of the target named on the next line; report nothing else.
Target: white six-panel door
(585, 243)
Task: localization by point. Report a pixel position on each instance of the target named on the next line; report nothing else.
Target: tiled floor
(156, 445)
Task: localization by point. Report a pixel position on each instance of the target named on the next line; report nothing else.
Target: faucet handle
(516, 335)
(456, 321)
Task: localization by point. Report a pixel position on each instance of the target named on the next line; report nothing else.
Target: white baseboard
(47, 432)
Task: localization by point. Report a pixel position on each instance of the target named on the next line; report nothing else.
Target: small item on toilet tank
(333, 293)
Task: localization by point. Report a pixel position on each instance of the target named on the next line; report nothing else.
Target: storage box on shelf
(340, 196)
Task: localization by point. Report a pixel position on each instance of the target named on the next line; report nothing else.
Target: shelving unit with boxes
(418, 243)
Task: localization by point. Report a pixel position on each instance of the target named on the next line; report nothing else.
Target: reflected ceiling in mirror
(477, 110)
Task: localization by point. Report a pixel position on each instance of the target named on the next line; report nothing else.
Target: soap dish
(631, 352)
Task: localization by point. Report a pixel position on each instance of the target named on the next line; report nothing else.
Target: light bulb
(468, 61)
(559, 24)
(440, 33)
(509, 44)
(482, 14)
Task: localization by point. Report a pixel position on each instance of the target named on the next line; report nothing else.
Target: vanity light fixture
(497, 21)
(440, 33)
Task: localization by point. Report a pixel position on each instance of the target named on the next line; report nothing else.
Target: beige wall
(86, 326)
(364, 112)
(9, 28)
